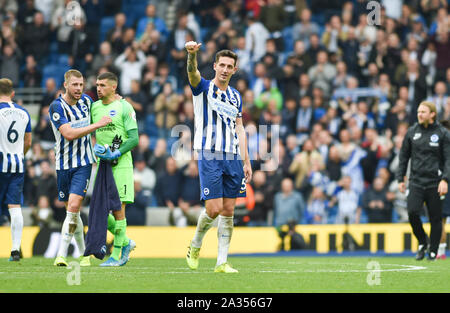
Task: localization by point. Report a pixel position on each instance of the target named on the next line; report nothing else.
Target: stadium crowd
(335, 85)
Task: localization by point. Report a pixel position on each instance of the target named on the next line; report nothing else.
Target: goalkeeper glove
(106, 153)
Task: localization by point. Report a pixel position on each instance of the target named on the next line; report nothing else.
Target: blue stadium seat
(106, 24)
(134, 10)
(55, 71)
(288, 39)
(150, 126)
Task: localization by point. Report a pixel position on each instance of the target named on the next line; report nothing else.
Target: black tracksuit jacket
(429, 151)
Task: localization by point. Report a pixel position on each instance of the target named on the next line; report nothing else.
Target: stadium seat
(55, 71)
(150, 126)
(288, 39)
(106, 24)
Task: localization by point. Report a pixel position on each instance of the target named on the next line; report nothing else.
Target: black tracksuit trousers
(416, 198)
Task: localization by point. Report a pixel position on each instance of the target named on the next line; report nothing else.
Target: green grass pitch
(256, 275)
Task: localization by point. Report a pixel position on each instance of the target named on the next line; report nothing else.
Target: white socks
(204, 223)
(16, 227)
(441, 250)
(72, 226)
(79, 235)
(224, 232)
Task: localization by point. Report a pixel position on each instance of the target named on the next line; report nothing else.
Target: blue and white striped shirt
(14, 123)
(215, 114)
(78, 152)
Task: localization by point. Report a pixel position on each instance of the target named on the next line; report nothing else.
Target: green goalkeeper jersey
(123, 119)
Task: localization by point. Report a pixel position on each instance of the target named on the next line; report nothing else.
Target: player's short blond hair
(6, 87)
(430, 105)
(72, 73)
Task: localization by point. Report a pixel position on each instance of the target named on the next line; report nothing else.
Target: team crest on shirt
(112, 113)
(84, 108)
(434, 140)
(61, 194)
(206, 191)
(233, 100)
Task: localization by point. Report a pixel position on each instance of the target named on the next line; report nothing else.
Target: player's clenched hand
(105, 153)
(105, 120)
(247, 172)
(192, 46)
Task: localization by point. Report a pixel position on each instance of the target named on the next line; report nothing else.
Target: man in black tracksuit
(427, 145)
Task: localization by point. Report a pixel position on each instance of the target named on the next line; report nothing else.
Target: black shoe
(15, 256)
(431, 256)
(421, 253)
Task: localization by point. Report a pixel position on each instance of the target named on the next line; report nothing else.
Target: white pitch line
(405, 268)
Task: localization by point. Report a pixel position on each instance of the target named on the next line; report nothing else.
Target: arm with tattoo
(192, 70)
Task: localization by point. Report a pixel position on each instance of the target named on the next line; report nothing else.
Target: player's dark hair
(226, 53)
(6, 87)
(108, 76)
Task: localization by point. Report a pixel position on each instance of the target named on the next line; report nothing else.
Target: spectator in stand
(36, 39)
(139, 100)
(168, 185)
(41, 214)
(137, 211)
(316, 207)
(11, 58)
(81, 47)
(302, 163)
(154, 45)
(130, 64)
(347, 201)
(263, 200)
(105, 57)
(50, 94)
(143, 149)
(270, 92)
(146, 175)
(166, 110)
(26, 13)
(43, 130)
(322, 73)
(47, 181)
(273, 17)
(31, 76)
(376, 203)
(66, 15)
(164, 76)
(441, 42)
(303, 29)
(152, 18)
(256, 36)
(115, 34)
(439, 98)
(417, 86)
(288, 204)
(178, 37)
(159, 156)
(189, 201)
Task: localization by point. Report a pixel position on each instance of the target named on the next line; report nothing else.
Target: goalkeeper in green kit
(119, 137)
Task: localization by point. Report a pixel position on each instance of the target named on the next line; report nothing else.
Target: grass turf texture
(256, 275)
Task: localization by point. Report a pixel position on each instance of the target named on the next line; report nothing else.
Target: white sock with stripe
(204, 223)
(441, 250)
(79, 235)
(16, 227)
(224, 233)
(67, 232)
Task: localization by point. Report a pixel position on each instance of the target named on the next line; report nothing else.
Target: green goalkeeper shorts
(124, 178)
